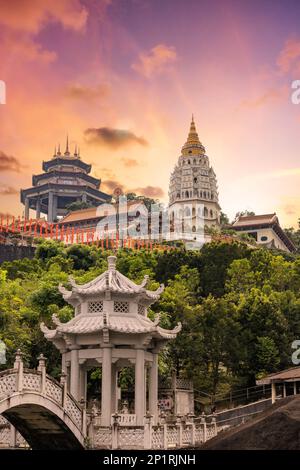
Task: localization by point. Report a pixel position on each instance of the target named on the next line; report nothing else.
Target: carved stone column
(106, 397)
(153, 389)
(74, 378)
(140, 392)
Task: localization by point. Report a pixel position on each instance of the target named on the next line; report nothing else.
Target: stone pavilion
(111, 329)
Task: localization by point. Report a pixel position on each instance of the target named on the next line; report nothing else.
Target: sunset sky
(123, 77)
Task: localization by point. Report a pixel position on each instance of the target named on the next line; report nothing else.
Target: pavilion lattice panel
(96, 307)
(122, 307)
(141, 309)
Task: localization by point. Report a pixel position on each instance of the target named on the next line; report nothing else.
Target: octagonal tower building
(193, 182)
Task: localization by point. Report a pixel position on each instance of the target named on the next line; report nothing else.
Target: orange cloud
(149, 191)
(9, 163)
(269, 96)
(288, 58)
(155, 61)
(85, 93)
(8, 190)
(30, 16)
(26, 49)
(129, 162)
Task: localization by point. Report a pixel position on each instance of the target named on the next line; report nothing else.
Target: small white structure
(266, 231)
(111, 328)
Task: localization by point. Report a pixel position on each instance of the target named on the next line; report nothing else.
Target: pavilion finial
(111, 263)
(75, 151)
(54, 155)
(58, 150)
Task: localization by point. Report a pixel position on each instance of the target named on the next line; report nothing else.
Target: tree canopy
(239, 306)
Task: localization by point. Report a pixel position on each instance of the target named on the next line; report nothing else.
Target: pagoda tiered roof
(94, 323)
(131, 321)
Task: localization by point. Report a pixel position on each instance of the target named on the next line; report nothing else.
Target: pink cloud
(289, 56)
(30, 16)
(155, 61)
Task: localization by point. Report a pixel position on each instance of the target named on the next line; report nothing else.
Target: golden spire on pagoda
(193, 144)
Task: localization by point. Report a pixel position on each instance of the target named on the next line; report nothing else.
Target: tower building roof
(193, 144)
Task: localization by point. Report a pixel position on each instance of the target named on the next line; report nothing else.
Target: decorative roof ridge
(175, 330)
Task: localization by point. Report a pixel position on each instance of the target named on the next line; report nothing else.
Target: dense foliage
(240, 307)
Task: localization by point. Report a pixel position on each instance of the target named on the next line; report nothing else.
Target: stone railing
(20, 380)
(164, 436)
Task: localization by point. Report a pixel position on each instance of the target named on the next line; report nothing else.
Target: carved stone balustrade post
(203, 424)
(214, 422)
(148, 431)
(42, 369)
(63, 382)
(179, 425)
(83, 407)
(19, 366)
(114, 431)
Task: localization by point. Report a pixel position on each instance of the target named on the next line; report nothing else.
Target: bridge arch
(41, 409)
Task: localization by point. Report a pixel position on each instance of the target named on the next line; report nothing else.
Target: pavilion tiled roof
(113, 281)
(123, 322)
(84, 324)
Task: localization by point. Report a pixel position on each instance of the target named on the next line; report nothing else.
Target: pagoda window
(95, 307)
(204, 194)
(178, 195)
(187, 212)
(193, 211)
(141, 309)
(187, 194)
(189, 162)
(122, 307)
(205, 212)
(195, 180)
(211, 213)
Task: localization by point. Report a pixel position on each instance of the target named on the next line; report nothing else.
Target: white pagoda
(193, 183)
(111, 329)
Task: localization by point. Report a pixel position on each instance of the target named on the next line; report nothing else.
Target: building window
(95, 307)
(141, 309)
(195, 180)
(264, 238)
(205, 212)
(122, 307)
(211, 213)
(189, 162)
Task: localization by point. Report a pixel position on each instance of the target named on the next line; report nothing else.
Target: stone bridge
(47, 417)
(41, 409)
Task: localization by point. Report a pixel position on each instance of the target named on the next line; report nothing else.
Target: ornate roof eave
(169, 334)
(112, 281)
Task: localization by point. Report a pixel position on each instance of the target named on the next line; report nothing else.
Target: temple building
(193, 183)
(266, 231)
(111, 329)
(65, 180)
